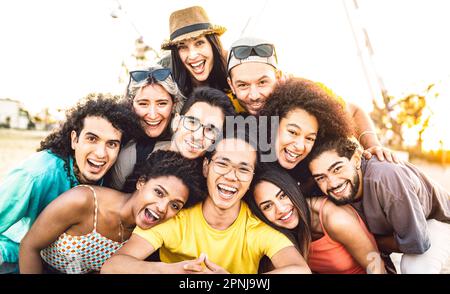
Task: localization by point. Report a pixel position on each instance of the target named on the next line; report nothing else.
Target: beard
(354, 185)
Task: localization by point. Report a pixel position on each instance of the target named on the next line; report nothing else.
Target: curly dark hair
(94, 105)
(301, 93)
(169, 163)
(344, 147)
(98, 105)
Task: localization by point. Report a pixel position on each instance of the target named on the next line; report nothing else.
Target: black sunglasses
(262, 50)
(159, 75)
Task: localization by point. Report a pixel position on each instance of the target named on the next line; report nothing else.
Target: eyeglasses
(159, 75)
(193, 124)
(223, 167)
(262, 50)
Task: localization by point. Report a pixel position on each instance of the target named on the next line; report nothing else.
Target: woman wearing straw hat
(198, 58)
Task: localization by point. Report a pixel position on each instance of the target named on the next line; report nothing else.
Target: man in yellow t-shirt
(222, 227)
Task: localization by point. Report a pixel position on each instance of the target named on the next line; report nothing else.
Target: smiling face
(153, 105)
(96, 149)
(158, 199)
(193, 144)
(276, 205)
(227, 189)
(197, 56)
(252, 83)
(338, 177)
(296, 136)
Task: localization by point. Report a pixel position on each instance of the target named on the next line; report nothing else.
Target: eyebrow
(294, 125)
(259, 79)
(96, 136)
(148, 99)
(179, 201)
(162, 188)
(267, 201)
(329, 169)
(241, 163)
(297, 126)
(91, 134)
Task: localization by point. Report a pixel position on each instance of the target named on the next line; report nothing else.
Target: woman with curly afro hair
(307, 115)
(83, 227)
(81, 151)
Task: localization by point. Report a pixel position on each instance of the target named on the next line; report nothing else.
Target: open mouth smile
(198, 67)
(226, 191)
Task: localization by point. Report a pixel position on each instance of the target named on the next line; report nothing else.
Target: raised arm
(342, 225)
(367, 136)
(68, 209)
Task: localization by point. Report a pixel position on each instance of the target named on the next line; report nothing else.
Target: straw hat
(189, 23)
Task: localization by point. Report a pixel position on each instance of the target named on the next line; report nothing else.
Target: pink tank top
(327, 256)
(80, 254)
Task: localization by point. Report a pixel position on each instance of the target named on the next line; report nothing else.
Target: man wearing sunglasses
(253, 74)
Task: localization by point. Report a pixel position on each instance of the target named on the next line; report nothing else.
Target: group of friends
(171, 178)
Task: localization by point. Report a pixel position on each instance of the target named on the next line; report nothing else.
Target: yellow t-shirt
(237, 106)
(238, 249)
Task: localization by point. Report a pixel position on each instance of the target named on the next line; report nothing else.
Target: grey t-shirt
(398, 199)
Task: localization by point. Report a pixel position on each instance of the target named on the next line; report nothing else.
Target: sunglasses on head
(155, 75)
(261, 50)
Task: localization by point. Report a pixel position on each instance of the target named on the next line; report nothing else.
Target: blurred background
(390, 57)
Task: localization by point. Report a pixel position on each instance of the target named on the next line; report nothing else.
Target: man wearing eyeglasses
(219, 235)
(253, 74)
(200, 122)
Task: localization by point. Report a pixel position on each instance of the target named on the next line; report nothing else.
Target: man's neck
(217, 218)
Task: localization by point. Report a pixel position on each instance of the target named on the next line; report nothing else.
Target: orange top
(327, 256)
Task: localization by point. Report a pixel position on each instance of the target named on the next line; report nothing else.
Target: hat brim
(219, 30)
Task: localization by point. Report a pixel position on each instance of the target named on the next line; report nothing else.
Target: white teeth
(153, 213)
(341, 188)
(153, 123)
(227, 188)
(197, 64)
(287, 215)
(290, 156)
(193, 145)
(97, 163)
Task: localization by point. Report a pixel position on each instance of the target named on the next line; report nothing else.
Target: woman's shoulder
(336, 218)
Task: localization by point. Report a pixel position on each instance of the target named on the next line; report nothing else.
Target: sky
(54, 52)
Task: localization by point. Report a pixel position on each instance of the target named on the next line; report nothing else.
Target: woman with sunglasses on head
(333, 239)
(84, 226)
(154, 96)
(197, 55)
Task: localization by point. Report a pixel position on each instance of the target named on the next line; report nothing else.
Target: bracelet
(365, 133)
